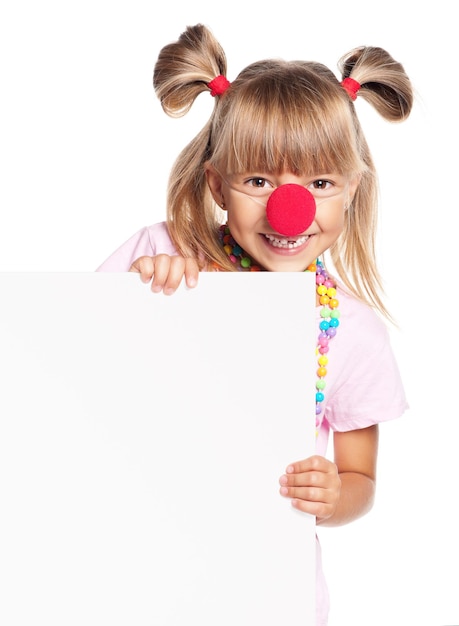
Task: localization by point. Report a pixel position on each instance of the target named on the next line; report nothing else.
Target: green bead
(325, 312)
(335, 314)
(320, 384)
(245, 262)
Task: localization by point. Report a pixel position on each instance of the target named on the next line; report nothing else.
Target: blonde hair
(278, 116)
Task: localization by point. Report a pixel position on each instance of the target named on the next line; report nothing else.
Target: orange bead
(321, 372)
(333, 304)
(324, 299)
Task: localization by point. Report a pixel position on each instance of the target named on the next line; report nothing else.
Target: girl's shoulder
(148, 241)
(361, 328)
(359, 314)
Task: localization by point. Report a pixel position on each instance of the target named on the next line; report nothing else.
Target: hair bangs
(287, 127)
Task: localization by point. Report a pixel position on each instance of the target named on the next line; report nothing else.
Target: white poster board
(142, 438)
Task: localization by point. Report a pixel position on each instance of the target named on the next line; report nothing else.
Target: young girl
(284, 156)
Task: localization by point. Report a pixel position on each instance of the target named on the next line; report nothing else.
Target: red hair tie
(351, 86)
(218, 85)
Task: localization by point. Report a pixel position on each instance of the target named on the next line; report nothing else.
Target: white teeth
(286, 243)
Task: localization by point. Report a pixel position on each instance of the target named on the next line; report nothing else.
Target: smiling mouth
(284, 242)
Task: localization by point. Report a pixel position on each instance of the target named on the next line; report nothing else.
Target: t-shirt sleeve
(148, 241)
(368, 388)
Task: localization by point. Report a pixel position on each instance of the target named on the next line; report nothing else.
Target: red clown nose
(291, 209)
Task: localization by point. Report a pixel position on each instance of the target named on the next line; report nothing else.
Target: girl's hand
(314, 486)
(166, 272)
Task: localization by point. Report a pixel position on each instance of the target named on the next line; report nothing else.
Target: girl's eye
(258, 183)
(321, 184)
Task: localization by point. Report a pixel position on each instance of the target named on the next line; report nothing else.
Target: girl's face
(245, 197)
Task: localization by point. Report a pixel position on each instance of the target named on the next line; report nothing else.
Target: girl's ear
(215, 182)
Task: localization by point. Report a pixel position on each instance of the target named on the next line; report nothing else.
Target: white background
(85, 151)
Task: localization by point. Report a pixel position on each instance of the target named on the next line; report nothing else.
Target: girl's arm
(340, 492)
(166, 272)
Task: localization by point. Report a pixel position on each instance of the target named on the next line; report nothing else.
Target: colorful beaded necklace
(329, 313)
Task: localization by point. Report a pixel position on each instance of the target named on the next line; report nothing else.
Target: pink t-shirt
(363, 384)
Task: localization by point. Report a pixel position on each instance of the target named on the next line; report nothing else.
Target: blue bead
(319, 397)
(334, 322)
(324, 325)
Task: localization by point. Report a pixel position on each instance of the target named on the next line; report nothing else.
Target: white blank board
(142, 438)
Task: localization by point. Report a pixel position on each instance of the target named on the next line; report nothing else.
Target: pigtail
(372, 74)
(195, 63)
(185, 68)
(382, 81)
